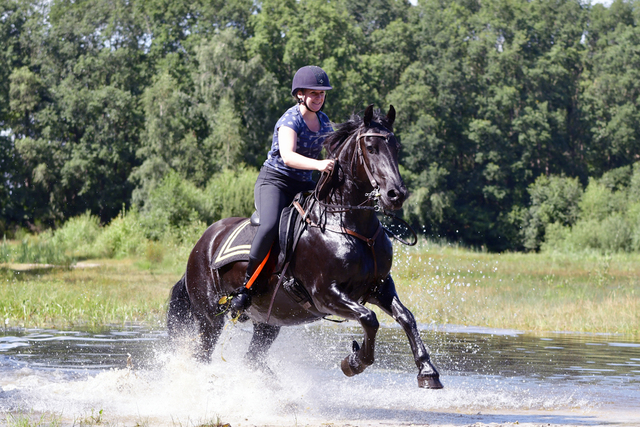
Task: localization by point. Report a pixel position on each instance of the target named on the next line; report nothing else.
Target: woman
(297, 142)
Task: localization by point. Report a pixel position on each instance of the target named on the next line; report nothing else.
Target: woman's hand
(325, 165)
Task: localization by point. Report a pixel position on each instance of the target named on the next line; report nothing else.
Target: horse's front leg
(338, 303)
(387, 299)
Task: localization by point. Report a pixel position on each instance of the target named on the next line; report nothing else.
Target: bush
(609, 216)
(122, 237)
(600, 201)
(230, 193)
(78, 235)
(34, 250)
(554, 200)
(175, 203)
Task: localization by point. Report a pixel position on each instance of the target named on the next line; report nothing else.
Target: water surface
(489, 376)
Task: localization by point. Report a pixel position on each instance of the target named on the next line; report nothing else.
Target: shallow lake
(489, 376)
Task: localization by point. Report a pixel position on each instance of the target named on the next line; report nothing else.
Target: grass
(441, 284)
(30, 418)
(115, 292)
(533, 292)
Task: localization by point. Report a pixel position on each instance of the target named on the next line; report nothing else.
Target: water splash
(162, 387)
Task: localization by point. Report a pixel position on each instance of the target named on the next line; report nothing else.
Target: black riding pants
(273, 192)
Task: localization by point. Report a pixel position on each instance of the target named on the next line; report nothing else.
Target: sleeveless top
(309, 144)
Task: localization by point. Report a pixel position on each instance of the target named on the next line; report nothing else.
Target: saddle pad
(236, 245)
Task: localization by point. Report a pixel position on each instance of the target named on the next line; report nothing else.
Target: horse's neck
(354, 218)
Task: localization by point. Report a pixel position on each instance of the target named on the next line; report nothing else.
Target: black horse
(341, 261)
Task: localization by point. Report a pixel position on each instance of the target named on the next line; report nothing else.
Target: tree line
(508, 110)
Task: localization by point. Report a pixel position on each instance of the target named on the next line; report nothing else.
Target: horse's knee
(370, 321)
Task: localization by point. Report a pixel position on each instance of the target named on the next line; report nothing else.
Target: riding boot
(241, 297)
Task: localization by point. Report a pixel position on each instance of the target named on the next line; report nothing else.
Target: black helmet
(310, 77)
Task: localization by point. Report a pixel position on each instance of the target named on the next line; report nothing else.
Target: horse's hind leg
(387, 299)
(263, 336)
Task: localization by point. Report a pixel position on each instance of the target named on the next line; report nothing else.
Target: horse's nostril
(392, 194)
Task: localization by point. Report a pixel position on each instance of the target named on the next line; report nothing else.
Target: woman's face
(313, 99)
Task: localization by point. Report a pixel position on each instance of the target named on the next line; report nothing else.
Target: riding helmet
(310, 77)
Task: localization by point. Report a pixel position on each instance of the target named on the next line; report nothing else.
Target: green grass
(441, 284)
(533, 292)
(116, 292)
(31, 419)
(22, 418)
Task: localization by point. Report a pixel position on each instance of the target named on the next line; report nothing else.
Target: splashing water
(135, 379)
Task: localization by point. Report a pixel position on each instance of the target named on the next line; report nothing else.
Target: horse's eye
(371, 149)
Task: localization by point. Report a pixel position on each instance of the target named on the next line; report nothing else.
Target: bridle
(360, 153)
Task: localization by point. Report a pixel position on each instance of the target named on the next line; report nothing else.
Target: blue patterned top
(309, 143)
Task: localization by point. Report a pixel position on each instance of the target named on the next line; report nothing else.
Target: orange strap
(256, 273)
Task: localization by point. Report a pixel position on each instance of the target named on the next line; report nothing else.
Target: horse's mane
(344, 130)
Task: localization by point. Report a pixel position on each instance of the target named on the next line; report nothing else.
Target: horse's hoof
(351, 365)
(429, 381)
(346, 368)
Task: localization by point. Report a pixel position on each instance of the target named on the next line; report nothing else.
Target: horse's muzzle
(395, 197)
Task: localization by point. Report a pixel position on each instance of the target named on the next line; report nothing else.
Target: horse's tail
(179, 316)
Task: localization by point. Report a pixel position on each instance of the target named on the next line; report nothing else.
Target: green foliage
(147, 103)
(607, 219)
(122, 237)
(554, 201)
(230, 193)
(175, 203)
(34, 250)
(78, 235)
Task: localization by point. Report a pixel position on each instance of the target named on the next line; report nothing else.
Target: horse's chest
(343, 258)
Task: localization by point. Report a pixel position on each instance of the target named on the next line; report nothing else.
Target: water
(490, 376)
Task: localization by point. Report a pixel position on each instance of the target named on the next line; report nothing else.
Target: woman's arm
(288, 140)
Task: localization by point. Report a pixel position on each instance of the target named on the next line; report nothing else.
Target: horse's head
(367, 151)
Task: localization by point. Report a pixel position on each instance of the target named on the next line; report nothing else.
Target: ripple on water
(74, 372)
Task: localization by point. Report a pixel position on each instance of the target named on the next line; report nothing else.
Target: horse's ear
(368, 115)
(391, 117)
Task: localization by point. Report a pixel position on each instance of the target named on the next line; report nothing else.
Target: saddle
(237, 243)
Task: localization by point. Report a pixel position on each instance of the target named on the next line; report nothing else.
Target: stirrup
(239, 301)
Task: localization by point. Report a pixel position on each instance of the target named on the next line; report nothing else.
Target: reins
(359, 153)
(374, 195)
(370, 241)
